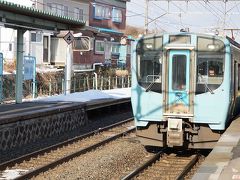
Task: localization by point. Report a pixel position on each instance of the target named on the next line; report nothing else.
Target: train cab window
(149, 68)
(179, 72)
(150, 44)
(210, 64)
(180, 39)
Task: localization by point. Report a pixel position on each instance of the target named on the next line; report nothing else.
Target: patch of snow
(12, 174)
(119, 93)
(89, 95)
(5, 73)
(44, 70)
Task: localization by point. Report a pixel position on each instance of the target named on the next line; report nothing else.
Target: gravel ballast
(111, 161)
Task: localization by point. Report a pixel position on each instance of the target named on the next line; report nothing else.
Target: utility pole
(225, 15)
(146, 17)
(232, 29)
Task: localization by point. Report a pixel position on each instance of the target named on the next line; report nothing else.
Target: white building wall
(58, 51)
(7, 39)
(37, 51)
(26, 46)
(35, 48)
(9, 36)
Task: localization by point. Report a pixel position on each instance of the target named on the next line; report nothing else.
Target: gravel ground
(111, 161)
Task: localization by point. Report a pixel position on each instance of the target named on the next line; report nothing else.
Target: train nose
(178, 94)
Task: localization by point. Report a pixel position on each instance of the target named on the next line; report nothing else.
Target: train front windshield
(149, 66)
(210, 64)
(210, 59)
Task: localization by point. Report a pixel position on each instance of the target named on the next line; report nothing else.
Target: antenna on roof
(184, 30)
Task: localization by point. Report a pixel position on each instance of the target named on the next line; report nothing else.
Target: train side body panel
(214, 109)
(147, 106)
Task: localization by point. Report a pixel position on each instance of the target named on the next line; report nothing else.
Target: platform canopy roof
(21, 17)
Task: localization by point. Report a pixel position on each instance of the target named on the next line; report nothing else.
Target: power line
(206, 1)
(222, 12)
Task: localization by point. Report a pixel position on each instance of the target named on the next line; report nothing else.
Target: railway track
(163, 166)
(34, 163)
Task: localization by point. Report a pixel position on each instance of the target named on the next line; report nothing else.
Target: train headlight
(212, 46)
(149, 46)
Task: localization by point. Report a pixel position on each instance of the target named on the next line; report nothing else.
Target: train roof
(233, 42)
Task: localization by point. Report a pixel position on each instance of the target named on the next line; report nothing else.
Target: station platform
(223, 163)
(10, 113)
(27, 110)
(21, 124)
(24, 123)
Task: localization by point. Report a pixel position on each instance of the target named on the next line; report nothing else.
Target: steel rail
(144, 166)
(188, 167)
(10, 163)
(51, 165)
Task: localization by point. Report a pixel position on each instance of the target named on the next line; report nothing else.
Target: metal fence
(80, 84)
(56, 85)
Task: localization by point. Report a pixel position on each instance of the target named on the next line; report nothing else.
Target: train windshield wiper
(149, 87)
(205, 83)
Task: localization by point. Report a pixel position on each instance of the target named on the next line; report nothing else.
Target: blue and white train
(185, 88)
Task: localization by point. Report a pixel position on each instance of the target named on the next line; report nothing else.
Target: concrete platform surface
(223, 163)
(17, 112)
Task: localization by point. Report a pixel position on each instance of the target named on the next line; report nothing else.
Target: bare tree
(133, 31)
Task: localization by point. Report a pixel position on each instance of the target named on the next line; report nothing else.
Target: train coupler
(174, 132)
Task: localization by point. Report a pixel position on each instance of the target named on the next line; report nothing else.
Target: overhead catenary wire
(219, 16)
(214, 10)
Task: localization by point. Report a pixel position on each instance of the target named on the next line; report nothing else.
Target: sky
(198, 16)
(171, 16)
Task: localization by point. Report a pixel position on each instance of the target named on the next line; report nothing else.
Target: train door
(178, 100)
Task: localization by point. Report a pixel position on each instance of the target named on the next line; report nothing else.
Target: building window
(102, 12)
(129, 49)
(99, 47)
(10, 47)
(107, 12)
(36, 37)
(57, 9)
(115, 48)
(82, 43)
(116, 15)
(78, 14)
(65, 10)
